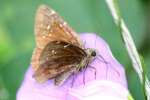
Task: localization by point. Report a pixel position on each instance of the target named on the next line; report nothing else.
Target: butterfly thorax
(91, 53)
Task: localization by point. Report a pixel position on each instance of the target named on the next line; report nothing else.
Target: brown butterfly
(59, 52)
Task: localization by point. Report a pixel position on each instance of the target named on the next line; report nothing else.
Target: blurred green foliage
(17, 36)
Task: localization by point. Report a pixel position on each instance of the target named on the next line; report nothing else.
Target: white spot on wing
(61, 25)
(64, 23)
(51, 13)
(43, 37)
(48, 27)
(49, 35)
(53, 51)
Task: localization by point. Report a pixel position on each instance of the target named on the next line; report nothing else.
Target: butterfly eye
(93, 53)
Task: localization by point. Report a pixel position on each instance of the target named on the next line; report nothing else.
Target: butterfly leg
(93, 68)
(73, 79)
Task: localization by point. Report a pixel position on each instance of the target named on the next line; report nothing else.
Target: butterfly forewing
(49, 26)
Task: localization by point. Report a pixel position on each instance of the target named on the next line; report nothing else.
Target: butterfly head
(91, 52)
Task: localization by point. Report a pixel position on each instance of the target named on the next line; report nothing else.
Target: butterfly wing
(49, 26)
(56, 59)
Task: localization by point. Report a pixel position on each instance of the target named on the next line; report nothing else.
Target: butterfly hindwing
(58, 58)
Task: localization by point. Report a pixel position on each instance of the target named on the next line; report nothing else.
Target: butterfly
(59, 52)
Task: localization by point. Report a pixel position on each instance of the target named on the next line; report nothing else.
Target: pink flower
(110, 82)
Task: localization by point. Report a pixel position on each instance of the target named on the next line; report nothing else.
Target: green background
(17, 36)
